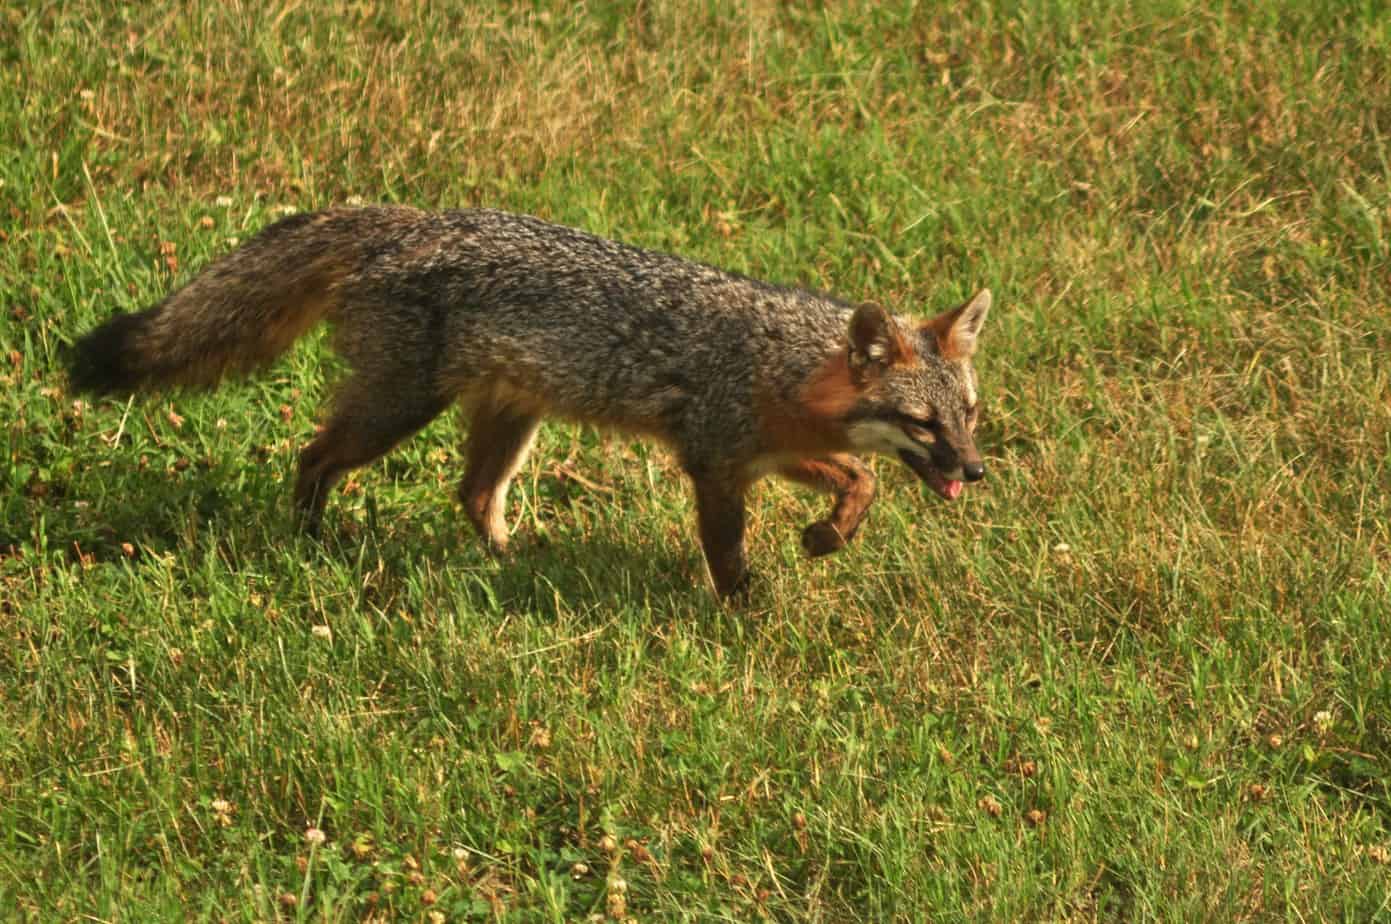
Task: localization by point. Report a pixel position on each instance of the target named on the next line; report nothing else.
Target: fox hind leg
(852, 484)
(499, 438)
(371, 415)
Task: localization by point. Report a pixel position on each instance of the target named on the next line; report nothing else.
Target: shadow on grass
(564, 568)
(250, 520)
(602, 571)
(100, 512)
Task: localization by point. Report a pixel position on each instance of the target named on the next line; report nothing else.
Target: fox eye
(924, 430)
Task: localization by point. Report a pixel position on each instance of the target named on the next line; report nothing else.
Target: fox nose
(973, 471)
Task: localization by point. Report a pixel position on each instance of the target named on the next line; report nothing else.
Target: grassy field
(1139, 674)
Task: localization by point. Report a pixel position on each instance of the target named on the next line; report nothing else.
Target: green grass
(1163, 623)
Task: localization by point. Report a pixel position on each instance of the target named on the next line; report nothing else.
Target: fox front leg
(720, 509)
(851, 483)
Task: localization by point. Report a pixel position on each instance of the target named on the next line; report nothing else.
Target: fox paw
(822, 538)
(736, 589)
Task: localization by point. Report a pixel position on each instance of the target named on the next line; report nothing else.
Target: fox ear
(956, 330)
(875, 340)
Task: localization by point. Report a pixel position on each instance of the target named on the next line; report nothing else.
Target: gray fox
(517, 318)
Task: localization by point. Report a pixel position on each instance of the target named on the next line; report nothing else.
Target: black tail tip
(104, 361)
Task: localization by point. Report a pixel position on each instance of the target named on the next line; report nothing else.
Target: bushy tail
(237, 315)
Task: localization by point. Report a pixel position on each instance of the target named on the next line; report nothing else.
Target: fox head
(908, 389)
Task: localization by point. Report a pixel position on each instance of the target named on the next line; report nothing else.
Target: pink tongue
(953, 489)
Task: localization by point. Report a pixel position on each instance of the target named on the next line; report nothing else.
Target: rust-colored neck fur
(812, 422)
(831, 391)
